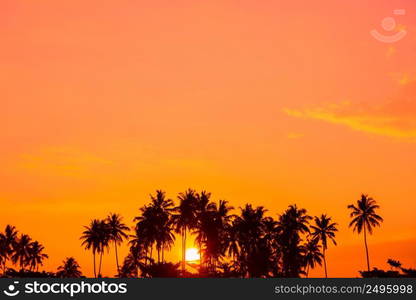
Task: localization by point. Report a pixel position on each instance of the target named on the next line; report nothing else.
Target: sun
(192, 254)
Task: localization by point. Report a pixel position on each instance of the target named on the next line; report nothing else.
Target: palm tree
(364, 217)
(69, 269)
(21, 250)
(145, 230)
(36, 256)
(161, 210)
(203, 212)
(290, 226)
(222, 223)
(313, 255)
(96, 237)
(322, 231)
(3, 252)
(129, 267)
(253, 250)
(104, 239)
(394, 263)
(117, 230)
(231, 242)
(185, 218)
(136, 259)
(8, 241)
(213, 222)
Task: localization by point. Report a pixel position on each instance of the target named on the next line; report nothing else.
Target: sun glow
(192, 254)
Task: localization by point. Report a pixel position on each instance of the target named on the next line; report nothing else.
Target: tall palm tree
(212, 226)
(36, 256)
(185, 218)
(364, 217)
(145, 230)
(161, 210)
(222, 223)
(69, 269)
(104, 239)
(250, 238)
(313, 255)
(117, 231)
(291, 225)
(231, 242)
(322, 231)
(21, 250)
(96, 237)
(204, 216)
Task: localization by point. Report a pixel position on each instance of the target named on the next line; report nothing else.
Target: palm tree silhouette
(231, 242)
(36, 256)
(185, 218)
(104, 240)
(21, 251)
(322, 231)
(313, 255)
(3, 253)
(69, 269)
(291, 224)
(7, 243)
(218, 235)
(204, 217)
(145, 230)
(364, 217)
(136, 260)
(96, 237)
(117, 231)
(394, 263)
(249, 227)
(161, 210)
(213, 222)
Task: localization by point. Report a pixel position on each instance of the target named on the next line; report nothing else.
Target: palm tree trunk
(95, 271)
(118, 268)
(307, 270)
(326, 274)
(183, 250)
(366, 249)
(99, 267)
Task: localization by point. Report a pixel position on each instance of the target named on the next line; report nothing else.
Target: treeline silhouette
(29, 255)
(243, 244)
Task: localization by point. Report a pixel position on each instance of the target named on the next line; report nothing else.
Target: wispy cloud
(396, 118)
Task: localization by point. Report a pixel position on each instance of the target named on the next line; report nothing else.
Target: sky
(263, 102)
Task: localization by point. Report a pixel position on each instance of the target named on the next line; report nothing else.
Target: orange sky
(272, 103)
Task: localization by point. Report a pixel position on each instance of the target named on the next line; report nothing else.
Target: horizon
(272, 104)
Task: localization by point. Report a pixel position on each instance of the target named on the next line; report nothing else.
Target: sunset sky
(268, 102)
